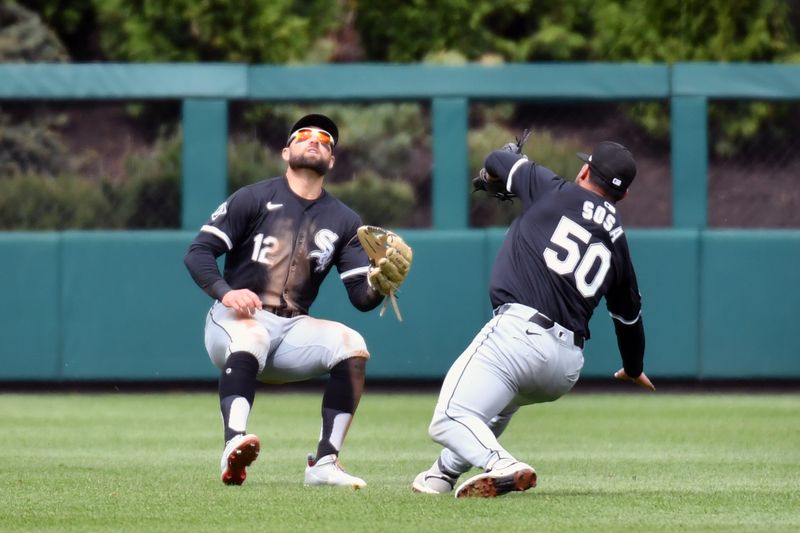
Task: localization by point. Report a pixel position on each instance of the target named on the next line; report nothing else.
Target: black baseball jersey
(564, 252)
(281, 247)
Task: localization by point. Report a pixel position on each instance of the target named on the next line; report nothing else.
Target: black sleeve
(353, 264)
(630, 340)
(224, 230)
(201, 260)
(500, 162)
(525, 179)
(624, 304)
(361, 295)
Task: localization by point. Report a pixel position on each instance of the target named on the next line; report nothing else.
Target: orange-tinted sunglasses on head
(305, 134)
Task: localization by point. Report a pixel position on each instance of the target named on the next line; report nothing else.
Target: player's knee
(254, 340)
(353, 342)
(348, 343)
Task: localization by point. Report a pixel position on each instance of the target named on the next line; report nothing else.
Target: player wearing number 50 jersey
(281, 237)
(565, 252)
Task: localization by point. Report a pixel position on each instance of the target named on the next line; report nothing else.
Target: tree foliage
(24, 38)
(74, 22)
(37, 202)
(254, 31)
(669, 31)
(379, 201)
(579, 30)
(665, 31)
(33, 145)
(692, 30)
(30, 143)
(383, 166)
(147, 195)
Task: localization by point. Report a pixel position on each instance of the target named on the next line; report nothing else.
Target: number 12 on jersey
(567, 235)
(262, 246)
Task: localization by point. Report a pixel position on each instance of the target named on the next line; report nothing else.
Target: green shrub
(400, 31)
(33, 146)
(691, 30)
(599, 30)
(665, 31)
(149, 193)
(34, 202)
(149, 197)
(24, 38)
(249, 161)
(151, 201)
(559, 156)
(256, 31)
(695, 30)
(379, 201)
(74, 21)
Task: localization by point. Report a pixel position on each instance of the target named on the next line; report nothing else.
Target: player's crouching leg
(339, 403)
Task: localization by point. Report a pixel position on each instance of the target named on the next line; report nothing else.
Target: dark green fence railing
(205, 90)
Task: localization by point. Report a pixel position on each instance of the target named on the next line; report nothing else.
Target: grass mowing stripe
(628, 462)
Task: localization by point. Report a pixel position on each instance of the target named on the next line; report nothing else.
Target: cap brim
(584, 157)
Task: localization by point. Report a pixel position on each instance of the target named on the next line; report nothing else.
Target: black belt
(542, 320)
(282, 311)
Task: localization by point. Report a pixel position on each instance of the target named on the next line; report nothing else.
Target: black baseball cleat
(515, 477)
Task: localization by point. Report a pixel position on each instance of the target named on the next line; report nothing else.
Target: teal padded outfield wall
(120, 305)
(101, 305)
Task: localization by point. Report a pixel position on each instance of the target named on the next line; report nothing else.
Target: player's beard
(318, 165)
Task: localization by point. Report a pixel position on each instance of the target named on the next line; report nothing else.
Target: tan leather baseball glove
(390, 258)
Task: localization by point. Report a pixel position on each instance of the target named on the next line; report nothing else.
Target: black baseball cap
(315, 121)
(613, 163)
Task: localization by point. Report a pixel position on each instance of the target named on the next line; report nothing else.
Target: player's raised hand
(243, 301)
(642, 380)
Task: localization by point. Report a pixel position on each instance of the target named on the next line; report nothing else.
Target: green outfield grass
(628, 462)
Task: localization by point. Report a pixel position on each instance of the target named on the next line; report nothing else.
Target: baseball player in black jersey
(281, 237)
(560, 257)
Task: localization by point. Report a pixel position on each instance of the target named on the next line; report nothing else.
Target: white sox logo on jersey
(221, 210)
(324, 239)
